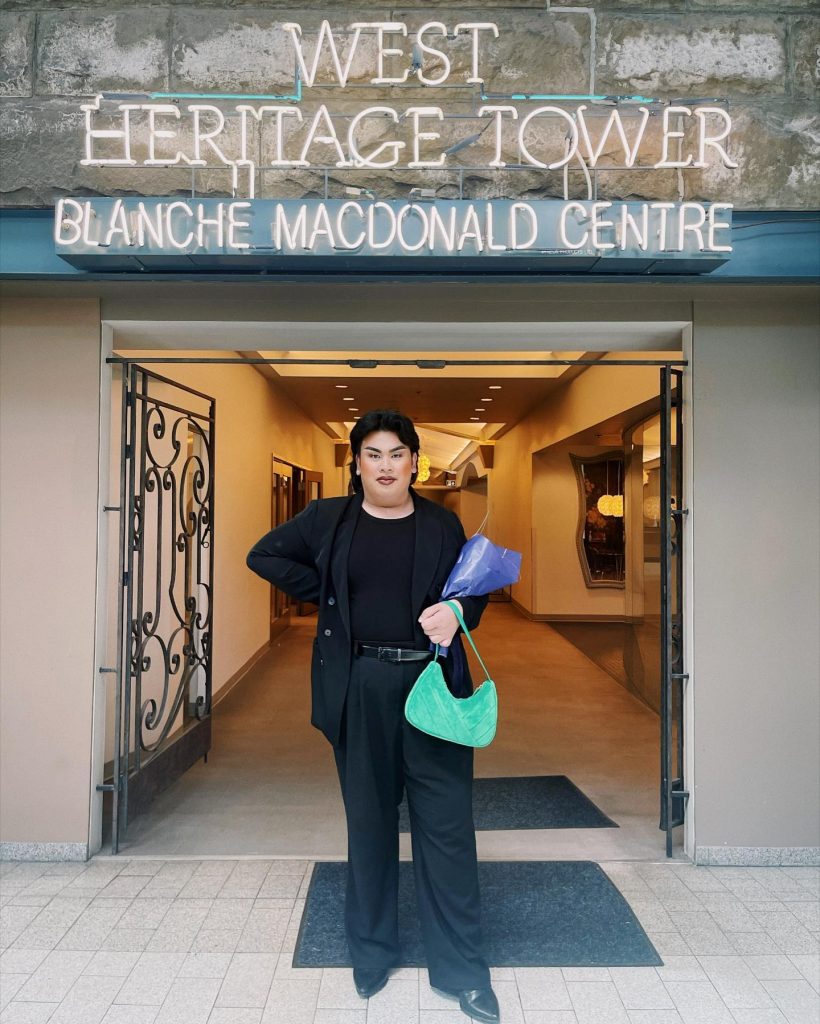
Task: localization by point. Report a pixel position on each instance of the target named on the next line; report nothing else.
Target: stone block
(81, 53)
(777, 148)
(805, 36)
(16, 50)
(536, 51)
(754, 6)
(243, 51)
(677, 57)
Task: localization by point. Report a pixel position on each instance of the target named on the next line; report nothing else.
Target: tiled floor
(186, 941)
(270, 788)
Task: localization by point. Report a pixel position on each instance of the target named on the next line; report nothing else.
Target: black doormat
(528, 801)
(564, 913)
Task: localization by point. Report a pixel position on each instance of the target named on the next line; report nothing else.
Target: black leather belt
(390, 653)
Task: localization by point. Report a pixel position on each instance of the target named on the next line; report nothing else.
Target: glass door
(282, 502)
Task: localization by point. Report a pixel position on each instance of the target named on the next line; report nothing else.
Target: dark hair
(381, 419)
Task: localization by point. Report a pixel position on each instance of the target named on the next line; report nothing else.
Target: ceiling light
(485, 399)
(490, 387)
(346, 399)
(352, 408)
(475, 417)
(340, 385)
(479, 409)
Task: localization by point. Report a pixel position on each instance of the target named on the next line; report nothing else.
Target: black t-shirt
(380, 575)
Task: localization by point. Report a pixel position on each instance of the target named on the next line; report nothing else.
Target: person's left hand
(439, 622)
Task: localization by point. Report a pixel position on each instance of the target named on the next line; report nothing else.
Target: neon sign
(250, 134)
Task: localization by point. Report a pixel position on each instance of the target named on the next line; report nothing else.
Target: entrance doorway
(466, 494)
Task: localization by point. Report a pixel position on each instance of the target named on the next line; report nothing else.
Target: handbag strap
(454, 607)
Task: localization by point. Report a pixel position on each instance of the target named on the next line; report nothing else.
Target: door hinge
(680, 512)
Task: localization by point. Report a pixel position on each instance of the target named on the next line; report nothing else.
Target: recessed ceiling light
(493, 387)
(353, 408)
(485, 399)
(475, 417)
(340, 385)
(346, 399)
(479, 409)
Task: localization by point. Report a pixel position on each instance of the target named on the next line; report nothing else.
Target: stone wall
(762, 58)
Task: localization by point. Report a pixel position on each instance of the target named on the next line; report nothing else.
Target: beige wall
(49, 434)
(754, 525)
(530, 520)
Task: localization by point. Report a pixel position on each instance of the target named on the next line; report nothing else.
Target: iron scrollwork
(170, 621)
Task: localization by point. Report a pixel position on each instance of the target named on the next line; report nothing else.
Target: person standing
(376, 562)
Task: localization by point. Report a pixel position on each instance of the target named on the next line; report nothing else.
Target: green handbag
(431, 707)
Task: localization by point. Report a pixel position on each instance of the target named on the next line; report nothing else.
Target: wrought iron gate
(165, 614)
(673, 795)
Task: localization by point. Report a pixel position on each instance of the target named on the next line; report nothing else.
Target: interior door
(673, 793)
(165, 627)
(282, 509)
(309, 486)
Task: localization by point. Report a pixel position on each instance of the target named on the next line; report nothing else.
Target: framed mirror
(600, 535)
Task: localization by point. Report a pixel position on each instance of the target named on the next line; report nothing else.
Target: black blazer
(307, 557)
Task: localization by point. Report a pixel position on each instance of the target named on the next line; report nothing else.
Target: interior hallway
(270, 788)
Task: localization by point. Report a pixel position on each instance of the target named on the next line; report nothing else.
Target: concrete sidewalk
(207, 941)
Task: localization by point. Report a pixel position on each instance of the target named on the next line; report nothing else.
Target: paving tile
(542, 988)
(698, 1002)
(654, 1017)
(125, 885)
(235, 1015)
(228, 913)
(336, 989)
(129, 939)
(681, 968)
(586, 974)
(264, 931)
(807, 913)
(205, 965)
(397, 1003)
(293, 1002)
(597, 1002)
(146, 913)
(729, 913)
(248, 980)
(88, 1001)
(10, 985)
(21, 961)
(142, 867)
(189, 1001)
(537, 1017)
(669, 943)
(767, 1015)
(119, 1014)
(809, 966)
(112, 963)
(343, 1017)
(285, 971)
(149, 982)
(54, 977)
(734, 981)
(215, 940)
(754, 943)
(281, 885)
(640, 988)
(798, 1001)
(27, 1013)
(772, 967)
(92, 927)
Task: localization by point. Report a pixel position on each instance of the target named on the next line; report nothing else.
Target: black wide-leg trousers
(380, 754)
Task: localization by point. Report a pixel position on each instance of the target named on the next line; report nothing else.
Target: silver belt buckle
(386, 654)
